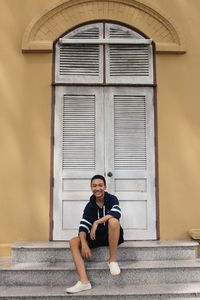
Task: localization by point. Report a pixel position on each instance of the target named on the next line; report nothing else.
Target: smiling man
(99, 226)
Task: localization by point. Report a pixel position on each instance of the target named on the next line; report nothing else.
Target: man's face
(98, 188)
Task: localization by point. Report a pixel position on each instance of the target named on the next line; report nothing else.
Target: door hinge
(52, 182)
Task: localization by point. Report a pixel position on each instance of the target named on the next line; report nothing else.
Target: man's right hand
(85, 250)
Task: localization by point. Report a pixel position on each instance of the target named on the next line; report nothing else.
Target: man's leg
(113, 238)
(75, 246)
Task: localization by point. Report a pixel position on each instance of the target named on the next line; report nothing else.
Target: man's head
(98, 177)
(98, 186)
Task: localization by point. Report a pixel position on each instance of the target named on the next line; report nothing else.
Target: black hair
(98, 177)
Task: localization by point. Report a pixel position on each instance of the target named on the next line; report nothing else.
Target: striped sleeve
(115, 210)
(85, 225)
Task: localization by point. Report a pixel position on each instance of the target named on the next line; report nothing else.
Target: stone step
(162, 291)
(132, 272)
(138, 250)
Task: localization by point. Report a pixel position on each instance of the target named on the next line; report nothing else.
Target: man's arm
(103, 219)
(98, 222)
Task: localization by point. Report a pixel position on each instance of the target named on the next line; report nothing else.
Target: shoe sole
(86, 289)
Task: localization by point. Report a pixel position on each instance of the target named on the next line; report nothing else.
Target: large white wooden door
(108, 131)
(104, 124)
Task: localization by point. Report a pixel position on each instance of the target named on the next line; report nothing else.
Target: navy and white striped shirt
(92, 212)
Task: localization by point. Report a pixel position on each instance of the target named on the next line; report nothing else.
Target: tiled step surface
(141, 272)
(142, 250)
(149, 270)
(145, 292)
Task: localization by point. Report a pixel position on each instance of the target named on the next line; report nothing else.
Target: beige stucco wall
(179, 127)
(25, 127)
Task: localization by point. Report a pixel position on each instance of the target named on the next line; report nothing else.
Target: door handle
(109, 174)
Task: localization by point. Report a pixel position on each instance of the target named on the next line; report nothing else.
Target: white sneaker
(79, 287)
(114, 268)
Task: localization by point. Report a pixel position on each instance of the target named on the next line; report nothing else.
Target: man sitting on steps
(99, 226)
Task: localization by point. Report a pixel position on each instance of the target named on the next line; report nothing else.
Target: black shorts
(101, 238)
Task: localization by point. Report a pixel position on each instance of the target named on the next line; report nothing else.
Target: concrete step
(138, 250)
(132, 273)
(162, 291)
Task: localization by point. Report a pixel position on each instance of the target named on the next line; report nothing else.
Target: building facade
(107, 87)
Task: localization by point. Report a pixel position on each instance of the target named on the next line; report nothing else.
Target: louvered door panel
(80, 63)
(79, 132)
(93, 31)
(128, 63)
(130, 132)
(79, 60)
(129, 60)
(113, 31)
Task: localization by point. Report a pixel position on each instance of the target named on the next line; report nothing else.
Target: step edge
(129, 265)
(192, 288)
(126, 244)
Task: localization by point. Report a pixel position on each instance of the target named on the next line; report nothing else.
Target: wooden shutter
(78, 132)
(130, 132)
(80, 63)
(118, 31)
(80, 56)
(128, 63)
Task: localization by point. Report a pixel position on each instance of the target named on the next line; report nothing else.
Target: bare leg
(75, 246)
(113, 237)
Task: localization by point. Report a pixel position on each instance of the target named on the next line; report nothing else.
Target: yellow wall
(179, 127)
(25, 127)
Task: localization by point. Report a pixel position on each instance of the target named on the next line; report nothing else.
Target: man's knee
(113, 223)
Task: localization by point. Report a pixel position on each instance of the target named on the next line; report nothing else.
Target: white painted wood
(70, 184)
(78, 132)
(128, 62)
(132, 185)
(133, 179)
(80, 63)
(72, 170)
(130, 220)
(64, 41)
(90, 31)
(114, 31)
(129, 142)
(80, 56)
(105, 129)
